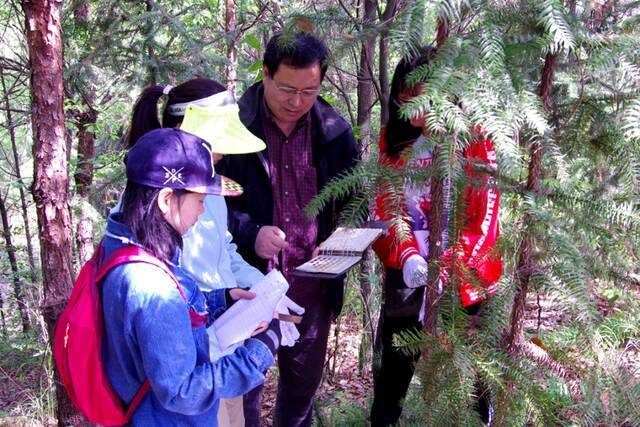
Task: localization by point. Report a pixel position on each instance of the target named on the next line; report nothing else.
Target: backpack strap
(132, 253)
(137, 399)
(124, 255)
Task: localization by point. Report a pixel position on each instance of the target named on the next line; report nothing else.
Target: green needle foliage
(579, 363)
(585, 220)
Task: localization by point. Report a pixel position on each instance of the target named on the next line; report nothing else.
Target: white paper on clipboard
(238, 322)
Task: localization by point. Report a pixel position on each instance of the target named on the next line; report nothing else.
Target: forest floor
(344, 381)
(346, 386)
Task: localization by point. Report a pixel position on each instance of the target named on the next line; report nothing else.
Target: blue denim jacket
(211, 258)
(148, 335)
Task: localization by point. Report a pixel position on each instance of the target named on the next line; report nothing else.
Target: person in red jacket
(403, 250)
(476, 256)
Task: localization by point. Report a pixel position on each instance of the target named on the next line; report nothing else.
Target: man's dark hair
(297, 50)
(399, 131)
(140, 212)
(145, 113)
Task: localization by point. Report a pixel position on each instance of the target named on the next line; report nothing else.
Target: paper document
(238, 322)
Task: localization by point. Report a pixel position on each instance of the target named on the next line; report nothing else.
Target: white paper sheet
(238, 322)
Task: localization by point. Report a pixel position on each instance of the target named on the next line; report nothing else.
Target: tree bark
(18, 172)
(383, 62)
(365, 80)
(231, 69)
(437, 215)
(383, 71)
(364, 96)
(85, 120)
(153, 68)
(84, 179)
(526, 265)
(13, 263)
(2, 318)
(442, 31)
(51, 181)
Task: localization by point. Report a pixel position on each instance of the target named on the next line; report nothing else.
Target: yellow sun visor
(221, 127)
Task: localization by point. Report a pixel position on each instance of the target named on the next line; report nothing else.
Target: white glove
(288, 330)
(415, 271)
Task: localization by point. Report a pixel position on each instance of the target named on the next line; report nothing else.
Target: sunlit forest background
(556, 84)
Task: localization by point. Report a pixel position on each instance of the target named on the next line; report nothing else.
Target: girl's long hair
(145, 113)
(140, 212)
(399, 131)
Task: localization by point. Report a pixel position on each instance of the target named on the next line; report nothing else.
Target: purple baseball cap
(169, 157)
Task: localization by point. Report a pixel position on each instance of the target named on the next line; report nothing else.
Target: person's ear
(164, 200)
(265, 71)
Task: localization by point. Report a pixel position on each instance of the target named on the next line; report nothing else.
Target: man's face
(291, 92)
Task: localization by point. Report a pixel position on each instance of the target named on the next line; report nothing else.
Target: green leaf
(255, 66)
(253, 41)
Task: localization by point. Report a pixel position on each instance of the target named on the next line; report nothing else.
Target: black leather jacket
(334, 152)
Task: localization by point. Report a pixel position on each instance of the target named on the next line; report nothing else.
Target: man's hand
(270, 241)
(315, 252)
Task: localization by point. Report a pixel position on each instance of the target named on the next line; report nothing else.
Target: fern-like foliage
(584, 220)
(552, 17)
(631, 121)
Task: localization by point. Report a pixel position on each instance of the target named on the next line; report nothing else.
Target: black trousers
(300, 372)
(400, 312)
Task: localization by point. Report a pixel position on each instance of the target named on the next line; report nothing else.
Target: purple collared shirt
(294, 182)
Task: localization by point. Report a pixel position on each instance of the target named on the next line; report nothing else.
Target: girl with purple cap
(209, 253)
(155, 331)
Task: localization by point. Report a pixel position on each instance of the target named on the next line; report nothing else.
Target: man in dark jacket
(308, 144)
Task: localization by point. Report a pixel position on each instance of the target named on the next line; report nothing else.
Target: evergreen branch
(340, 187)
(410, 342)
(552, 18)
(631, 120)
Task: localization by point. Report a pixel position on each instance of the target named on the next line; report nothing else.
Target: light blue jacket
(148, 335)
(212, 259)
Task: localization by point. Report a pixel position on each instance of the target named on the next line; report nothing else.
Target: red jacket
(409, 231)
(477, 259)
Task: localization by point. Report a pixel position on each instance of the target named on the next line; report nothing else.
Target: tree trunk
(84, 179)
(525, 259)
(153, 67)
(51, 181)
(23, 198)
(383, 70)
(437, 216)
(363, 121)
(383, 62)
(13, 263)
(4, 322)
(232, 56)
(442, 31)
(365, 80)
(85, 120)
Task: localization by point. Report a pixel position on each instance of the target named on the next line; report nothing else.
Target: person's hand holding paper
(236, 294)
(242, 319)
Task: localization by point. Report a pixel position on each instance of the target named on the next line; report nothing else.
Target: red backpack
(77, 344)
